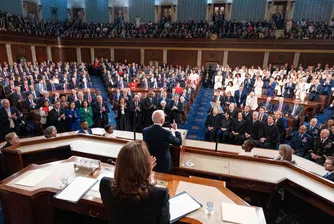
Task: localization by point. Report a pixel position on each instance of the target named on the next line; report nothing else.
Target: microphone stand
(135, 126)
(217, 138)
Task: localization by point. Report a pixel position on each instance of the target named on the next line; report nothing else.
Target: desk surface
(215, 191)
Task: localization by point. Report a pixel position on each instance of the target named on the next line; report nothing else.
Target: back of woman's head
(132, 172)
(286, 152)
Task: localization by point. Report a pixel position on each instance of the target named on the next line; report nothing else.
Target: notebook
(76, 189)
(34, 177)
(182, 204)
(239, 214)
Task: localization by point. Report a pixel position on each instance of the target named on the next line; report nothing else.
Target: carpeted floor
(197, 115)
(97, 84)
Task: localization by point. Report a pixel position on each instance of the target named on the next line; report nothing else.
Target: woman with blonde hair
(285, 153)
(130, 196)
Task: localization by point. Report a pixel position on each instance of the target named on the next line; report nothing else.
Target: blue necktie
(326, 175)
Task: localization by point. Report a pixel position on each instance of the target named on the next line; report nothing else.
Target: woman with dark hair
(123, 115)
(129, 197)
(86, 113)
(44, 111)
(248, 145)
(73, 117)
(237, 134)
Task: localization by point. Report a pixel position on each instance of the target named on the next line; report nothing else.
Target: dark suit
(153, 210)
(53, 120)
(81, 131)
(264, 118)
(158, 140)
(55, 86)
(315, 92)
(253, 129)
(284, 109)
(268, 106)
(289, 90)
(329, 176)
(298, 112)
(315, 132)
(321, 149)
(5, 123)
(301, 144)
(148, 110)
(240, 100)
(100, 118)
(136, 116)
(175, 114)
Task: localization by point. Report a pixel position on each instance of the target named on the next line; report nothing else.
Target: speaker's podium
(34, 202)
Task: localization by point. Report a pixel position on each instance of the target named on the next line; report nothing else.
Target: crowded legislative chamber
(166, 111)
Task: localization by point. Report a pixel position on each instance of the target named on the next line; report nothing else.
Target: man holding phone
(158, 139)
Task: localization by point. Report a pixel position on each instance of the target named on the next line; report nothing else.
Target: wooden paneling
(153, 55)
(21, 51)
(131, 55)
(102, 52)
(212, 56)
(280, 58)
(85, 55)
(41, 54)
(315, 58)
(237, 58)
(68, 54)
(3, 54)
(55, 54)
(180, 57)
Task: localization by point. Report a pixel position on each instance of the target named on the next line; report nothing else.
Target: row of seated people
(167, 28)
(268, 131)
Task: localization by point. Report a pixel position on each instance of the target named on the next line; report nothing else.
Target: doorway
(219, 11)
(166, 12)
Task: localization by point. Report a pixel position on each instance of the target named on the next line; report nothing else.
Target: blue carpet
(97, 84)
(195, 123)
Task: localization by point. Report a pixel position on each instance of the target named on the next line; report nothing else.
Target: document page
(34, 177)
(76, 190)
(96, 186)
(238, 214)
(181, 205)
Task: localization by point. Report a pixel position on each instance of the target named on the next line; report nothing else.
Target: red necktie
(53, 87)
(65, 87)
(89, 98)
(27, 89)
(280, 107)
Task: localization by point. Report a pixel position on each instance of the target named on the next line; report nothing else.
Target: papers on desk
(182, 204)
(238, 214)
(34, 177)
(96, 186)
(98, 131)
(76, 190)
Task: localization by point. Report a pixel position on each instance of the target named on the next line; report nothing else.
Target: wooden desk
(313, 106)
(37, 205)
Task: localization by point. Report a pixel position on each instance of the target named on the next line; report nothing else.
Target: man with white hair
(158, 139)
(322, 147)
(10, 118)
(136, 114)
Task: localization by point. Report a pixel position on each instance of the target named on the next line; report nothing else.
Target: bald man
(300, 141)
(312, 128)
(158, 139)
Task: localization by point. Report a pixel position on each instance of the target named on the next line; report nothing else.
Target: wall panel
(20, 51)
(280, 58)
(180, 57)
(85, 55)
(143, 8)
(313, 9)
(238, 58)
(11, 6)
(191, 10)
(41, 54)
(3, 54)
(55, 54)
(102, 52)
(248, 10)
(153, 55)
(314, 58)
(97, 11)
(212, 56)
(68, 54)
(131, 55)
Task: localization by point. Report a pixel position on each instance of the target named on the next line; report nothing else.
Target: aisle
(97, 84)
(197, 115)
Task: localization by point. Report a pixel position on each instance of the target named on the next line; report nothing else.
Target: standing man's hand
(174, 125)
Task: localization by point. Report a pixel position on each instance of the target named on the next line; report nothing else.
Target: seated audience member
(50, 132)
(212, 124)
(269, 135)
(247, 114)
(84, 129)
(296, 111)
(73, 117)
(301, 141)
(233, 111)
(268, 107)
(262, 115)
(238, 127)
(225, 128)
(109, 132)
(248, 145)
(158, 140)
(328, 125)
(280, 106)
(251, 101)
(240, 97)
(322, 147)
(329, 166)
(86, 113)
(312, 128)
(56, 117)
(11, 139)
(131, 191)
(281, 123)
(285, 153)
(253, 127)
(227, 100)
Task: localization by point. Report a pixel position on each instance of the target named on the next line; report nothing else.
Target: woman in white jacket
(251, 101)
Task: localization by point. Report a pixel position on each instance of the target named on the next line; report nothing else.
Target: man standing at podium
(158, 139)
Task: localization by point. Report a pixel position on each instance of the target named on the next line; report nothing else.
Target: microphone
(110, 161)
(217, 138)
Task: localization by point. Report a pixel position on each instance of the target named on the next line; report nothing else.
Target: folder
(181, 205)
(239, 214)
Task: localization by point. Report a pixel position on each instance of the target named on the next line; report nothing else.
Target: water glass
(63, 182)
(209, 207)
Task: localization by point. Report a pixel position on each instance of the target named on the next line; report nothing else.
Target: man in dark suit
(73, 97)
(322, 147)
(136, 114)
(52, 86)
(296, 111)
(56, 117)
(329, 166)
(240, 97)
(280, 106)
(10, 118)
(312, 128)
(89, 96)
(253, 127)
(246, 113)
(100, 112)
(289, 89)
(300, 141)
(158, 139)
(84, 129)
(30, 103)
(269, 135)
(149, 105)
(262, 115)
(176, 108)
(267, 105)
(34, 92)
(315, 91)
